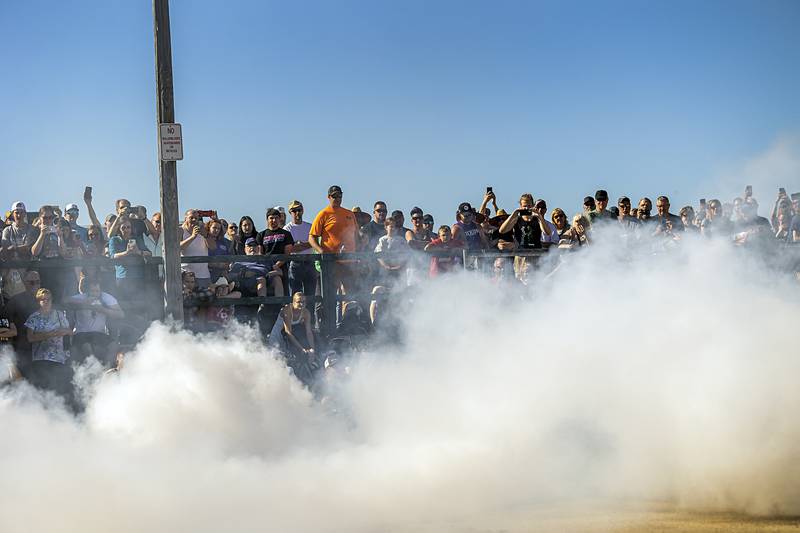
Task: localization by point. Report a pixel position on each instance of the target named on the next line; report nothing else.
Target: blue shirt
(116, 246)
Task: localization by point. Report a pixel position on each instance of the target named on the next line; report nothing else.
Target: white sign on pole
(170, 141)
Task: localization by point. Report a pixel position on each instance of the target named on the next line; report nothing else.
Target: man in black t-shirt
(526, 223)
(8, 330)
(274, 241)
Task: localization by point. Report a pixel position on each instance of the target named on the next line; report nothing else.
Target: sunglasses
(380, 210)
(416, 218)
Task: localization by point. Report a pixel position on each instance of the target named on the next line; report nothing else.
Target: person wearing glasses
(418, 237)
(625, 218)
(559, 219)
(375, 229)
(716, 224)
(49, 246)
(334, 231)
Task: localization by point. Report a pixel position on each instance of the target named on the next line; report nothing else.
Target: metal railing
(328, 297)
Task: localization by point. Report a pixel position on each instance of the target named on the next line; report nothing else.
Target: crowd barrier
(328, 297)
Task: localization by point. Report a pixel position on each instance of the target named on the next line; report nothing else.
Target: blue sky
(416, 103)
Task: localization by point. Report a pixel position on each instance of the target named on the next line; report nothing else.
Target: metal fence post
(328, 294)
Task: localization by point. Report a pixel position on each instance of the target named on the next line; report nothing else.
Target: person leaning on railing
(46, 330)
(217, 245)
(334, 231)
(129, 278)
(93, 308)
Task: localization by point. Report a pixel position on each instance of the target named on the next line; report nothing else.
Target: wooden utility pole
(168, 172)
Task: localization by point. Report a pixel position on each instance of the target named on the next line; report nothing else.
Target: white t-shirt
(87, 320)
(198, 247)
(300, 233)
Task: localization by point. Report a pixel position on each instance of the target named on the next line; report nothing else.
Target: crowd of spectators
(52, 316)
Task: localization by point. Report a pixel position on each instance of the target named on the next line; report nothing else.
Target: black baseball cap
(334, 189)
(428, 219)
(464, 207)
(588, 201)
(601, 195)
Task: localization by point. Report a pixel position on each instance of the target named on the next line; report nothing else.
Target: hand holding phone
(87, 194)
(748, 191)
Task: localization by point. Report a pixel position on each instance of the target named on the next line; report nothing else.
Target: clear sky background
(413, 102)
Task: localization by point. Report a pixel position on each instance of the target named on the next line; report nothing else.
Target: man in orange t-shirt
(334, 230)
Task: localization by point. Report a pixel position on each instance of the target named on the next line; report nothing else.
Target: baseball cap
(464, 207)
(71, 207)
(334, 189)
(588, 200)
(250, 241)
(427, 219)
(600, 195)
(273, 212)
(295, 204)
(18, 205)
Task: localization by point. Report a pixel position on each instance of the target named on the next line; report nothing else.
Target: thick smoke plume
(627, 378)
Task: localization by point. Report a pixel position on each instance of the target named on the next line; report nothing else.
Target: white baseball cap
(18, 205)
(71, 207)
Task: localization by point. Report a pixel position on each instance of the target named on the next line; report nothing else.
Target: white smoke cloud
(627, 378)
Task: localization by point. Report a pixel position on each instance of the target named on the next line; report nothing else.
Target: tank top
(299, 319)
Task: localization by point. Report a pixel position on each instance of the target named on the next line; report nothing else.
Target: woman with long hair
(217, 245)
(247, 229)
(559, 218)
(299, 338)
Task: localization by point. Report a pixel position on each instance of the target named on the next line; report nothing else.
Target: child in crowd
(441, 264)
